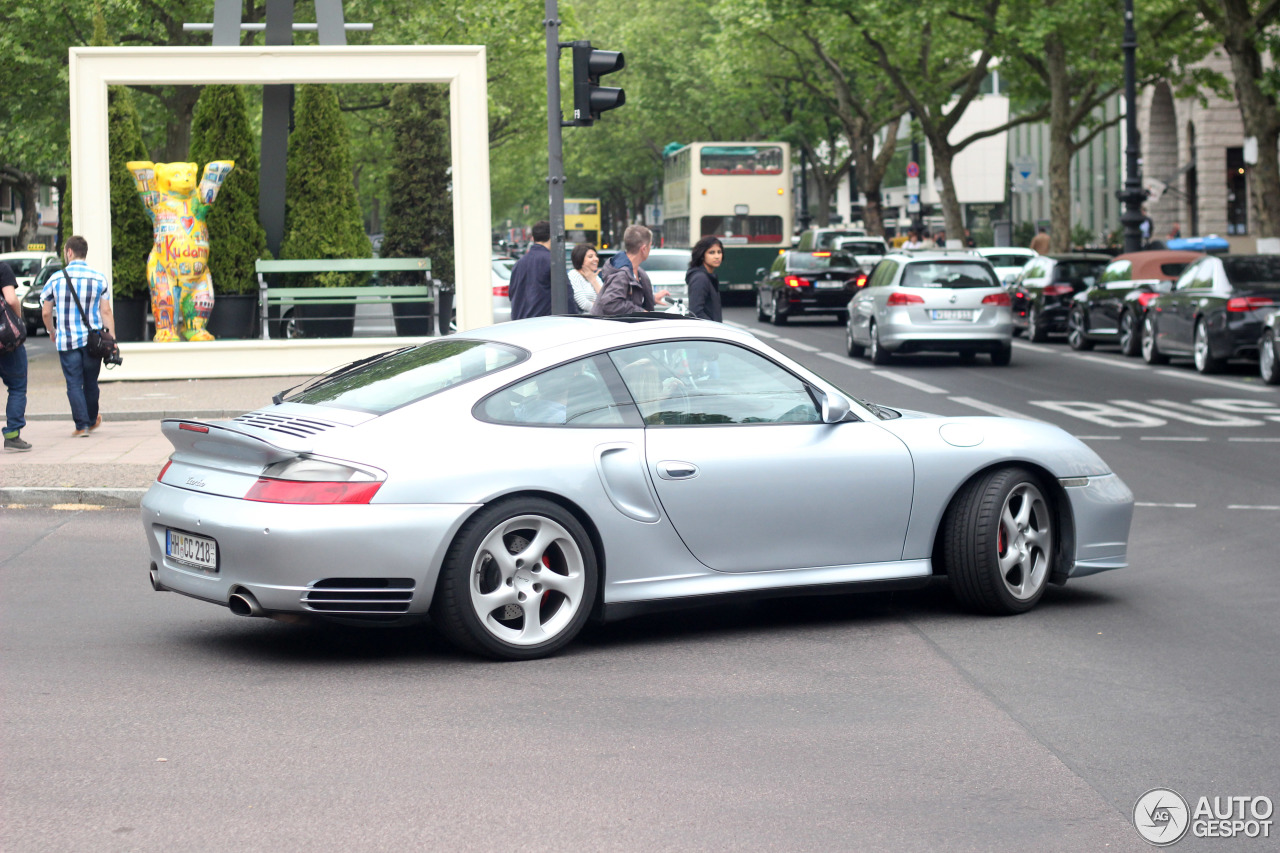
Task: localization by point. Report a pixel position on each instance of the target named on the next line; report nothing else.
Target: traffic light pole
(555, 162)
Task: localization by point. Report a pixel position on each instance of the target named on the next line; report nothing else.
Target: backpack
(13, 331)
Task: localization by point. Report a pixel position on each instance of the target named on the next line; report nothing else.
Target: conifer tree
(419, 220)
(322, 215)
(220, 131)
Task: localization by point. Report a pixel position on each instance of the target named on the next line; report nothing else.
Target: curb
(183, 414)
(40, 496)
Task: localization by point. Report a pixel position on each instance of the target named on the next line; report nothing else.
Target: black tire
(1017, 331)
(562, 576)
(854, 349)
(842, 317)
(877, 354)
(1269, 358)
(1001, 357)
(1206, 362)
(968, 356)
(998, 542)
(761, 314)
(776, 316)
(1036, 332)
(1130, 335)
(1150, 349)
(1078, 331)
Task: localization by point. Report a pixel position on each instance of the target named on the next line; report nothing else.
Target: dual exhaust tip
(241, 603)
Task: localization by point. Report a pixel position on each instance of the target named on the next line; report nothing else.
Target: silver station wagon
(931, 302)
(510, 482)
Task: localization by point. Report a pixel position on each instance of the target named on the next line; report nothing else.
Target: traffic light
(589, 97)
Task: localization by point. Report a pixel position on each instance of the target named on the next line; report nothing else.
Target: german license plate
(828, 285)
(741, 286)
(192, 550)
(952, 314)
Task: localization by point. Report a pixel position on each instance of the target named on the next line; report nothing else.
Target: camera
(114, 358)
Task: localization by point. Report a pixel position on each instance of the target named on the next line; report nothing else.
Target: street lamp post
(1133, 194)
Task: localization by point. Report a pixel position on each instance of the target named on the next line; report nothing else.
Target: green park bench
(284, 298)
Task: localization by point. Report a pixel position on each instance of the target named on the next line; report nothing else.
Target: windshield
(409, 375)
(24, 267)
(949, 274)
(820, 261)
(666, 263)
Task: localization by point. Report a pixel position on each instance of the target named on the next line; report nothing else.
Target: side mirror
(834, 408)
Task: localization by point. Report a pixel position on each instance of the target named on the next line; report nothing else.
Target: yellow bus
(737, 191)
(581, 221)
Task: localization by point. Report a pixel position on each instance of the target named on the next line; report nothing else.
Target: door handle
(677, 470)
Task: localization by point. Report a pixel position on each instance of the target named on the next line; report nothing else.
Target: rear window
(666, 263)
(1007, 260)
(23, 267)
(1261, 269)
(1078, 271)
(820, 261)
(861, 247)
(949, 274)
(395, 379)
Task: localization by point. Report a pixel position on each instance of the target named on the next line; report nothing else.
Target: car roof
(1081, 256)
(1006, 250)
(1148, 264)
(27, 255)
(934, 255)
(539, 334)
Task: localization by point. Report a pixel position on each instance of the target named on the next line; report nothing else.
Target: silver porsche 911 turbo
(513, 481)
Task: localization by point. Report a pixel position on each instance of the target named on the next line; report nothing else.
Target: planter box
(235, 316)
(131, 318)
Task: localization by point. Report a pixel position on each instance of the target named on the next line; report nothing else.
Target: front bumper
(284, 553)
(1102, 511)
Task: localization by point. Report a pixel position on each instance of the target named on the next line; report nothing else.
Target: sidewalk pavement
(120, 459)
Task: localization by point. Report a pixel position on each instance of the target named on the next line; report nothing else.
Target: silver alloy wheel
(1075, 335)
(873, 351)
(527, 580)
(1126, 332)
(1267, 355)
(1150, 353)
(1024, 541)
(1205, 362)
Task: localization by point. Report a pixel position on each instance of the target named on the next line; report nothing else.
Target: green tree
(131, 226)
(220, 131)
(419, 220)
(322, 217)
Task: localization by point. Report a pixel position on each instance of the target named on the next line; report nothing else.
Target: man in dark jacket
(625, 290)
(530, 286)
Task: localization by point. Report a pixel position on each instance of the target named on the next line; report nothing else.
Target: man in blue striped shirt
(71, 337)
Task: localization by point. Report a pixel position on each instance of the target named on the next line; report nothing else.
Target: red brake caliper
(546, 561)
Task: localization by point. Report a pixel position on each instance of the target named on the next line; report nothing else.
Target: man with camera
(71, 337)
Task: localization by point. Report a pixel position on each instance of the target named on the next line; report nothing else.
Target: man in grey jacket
(625, 290)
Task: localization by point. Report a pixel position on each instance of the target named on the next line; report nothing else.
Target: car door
(864, 302)
(747, 473)
(1103, 301)
(1025, 287)
(1178, 310)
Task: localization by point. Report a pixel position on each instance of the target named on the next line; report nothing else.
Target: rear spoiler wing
(222, 441)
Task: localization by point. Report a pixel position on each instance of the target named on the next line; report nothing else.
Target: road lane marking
(1225, 383)
(752, 329)
(1190, 414)
(1263, 507)
(796, 344)
(1098, 437)
(912, 383)
(1170, 506)
(1172, 438)
(992, 409)
(847, 362)
(1255, 439)
(1097, 359)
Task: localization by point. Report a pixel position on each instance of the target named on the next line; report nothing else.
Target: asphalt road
(142, 721)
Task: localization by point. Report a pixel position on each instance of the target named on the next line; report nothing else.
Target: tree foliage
(420, 209)
(322, 218)
(131, 227)
(220, 131)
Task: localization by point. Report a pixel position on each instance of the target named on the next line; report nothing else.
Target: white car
(867, 251)
(666, 269)
(502, 267)
(26, 265)
(1008, 261)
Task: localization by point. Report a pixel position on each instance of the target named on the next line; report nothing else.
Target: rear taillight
(1058, 290)
(905, 299)
(314, 481)
(160, 476)
(267, 490)
(501, 290)
(796, 281)
(1144, 298)
(861, 280)
(1248, 303)
(194, 428)
(997, 299)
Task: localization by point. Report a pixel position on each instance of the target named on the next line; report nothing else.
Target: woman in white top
(583, 278)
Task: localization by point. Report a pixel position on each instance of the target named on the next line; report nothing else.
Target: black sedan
(31, 300)
(1111, 311)
(803, 284)
(1215, 312)
(1044, 291)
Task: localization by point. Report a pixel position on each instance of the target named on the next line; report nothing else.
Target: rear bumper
(899, 334)
(817, 301)
(280, 552)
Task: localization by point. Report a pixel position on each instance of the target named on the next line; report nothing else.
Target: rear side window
(949, 274)
(1117, 271)
(575, 394)
(396, 379)
(882, 275)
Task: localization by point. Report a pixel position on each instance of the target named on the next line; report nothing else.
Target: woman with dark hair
(583, 278)
(704, 286)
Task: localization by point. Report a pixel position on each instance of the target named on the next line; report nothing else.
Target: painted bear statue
(178, 266)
